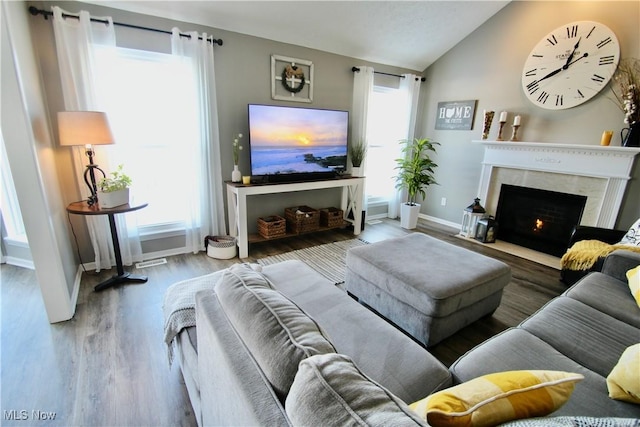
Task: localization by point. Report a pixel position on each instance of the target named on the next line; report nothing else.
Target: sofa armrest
(619, 262)
(606, 235)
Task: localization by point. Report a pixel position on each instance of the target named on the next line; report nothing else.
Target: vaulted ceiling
(408, 34)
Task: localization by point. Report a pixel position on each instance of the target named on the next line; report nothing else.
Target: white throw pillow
(633, 235)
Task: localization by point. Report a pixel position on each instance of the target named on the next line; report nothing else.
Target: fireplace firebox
(538, 219)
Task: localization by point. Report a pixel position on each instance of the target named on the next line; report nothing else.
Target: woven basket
(302, 219)
(220, 247)
(272, 226)
(331, 217)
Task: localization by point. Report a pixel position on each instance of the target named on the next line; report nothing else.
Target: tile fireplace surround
(598, 172)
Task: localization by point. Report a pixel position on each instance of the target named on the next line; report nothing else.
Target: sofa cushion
(330, 390)
(633, 277)
(593, 339)
(624, 380)
(517, 349)
(275, 330)
(608, 295)
(496, 398)
(402, 365)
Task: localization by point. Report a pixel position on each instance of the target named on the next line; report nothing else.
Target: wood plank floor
(108, 365)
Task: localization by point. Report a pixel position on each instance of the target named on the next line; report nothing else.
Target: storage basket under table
(302, 219)
(272, 226)
(331, 217)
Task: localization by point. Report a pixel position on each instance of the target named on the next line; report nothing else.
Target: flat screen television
(294, 143)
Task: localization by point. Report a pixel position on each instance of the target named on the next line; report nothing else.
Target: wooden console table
(352, 194)
(82, 208)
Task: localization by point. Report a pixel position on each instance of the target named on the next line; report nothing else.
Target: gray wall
(243, 74)
(487, 66)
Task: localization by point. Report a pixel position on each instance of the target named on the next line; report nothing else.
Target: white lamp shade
(83, 128)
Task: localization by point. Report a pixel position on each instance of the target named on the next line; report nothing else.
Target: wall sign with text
(455, 115)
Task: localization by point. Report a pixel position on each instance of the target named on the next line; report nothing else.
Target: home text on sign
(456, 115)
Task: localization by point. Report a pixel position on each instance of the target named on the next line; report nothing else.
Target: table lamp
(86, 128)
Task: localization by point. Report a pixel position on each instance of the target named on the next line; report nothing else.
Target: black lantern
(487, 230)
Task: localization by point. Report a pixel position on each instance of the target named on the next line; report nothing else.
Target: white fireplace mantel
(598, 172)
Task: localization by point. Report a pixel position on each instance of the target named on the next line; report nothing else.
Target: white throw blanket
(179, 305)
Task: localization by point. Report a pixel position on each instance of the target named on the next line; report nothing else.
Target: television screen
(293, 141)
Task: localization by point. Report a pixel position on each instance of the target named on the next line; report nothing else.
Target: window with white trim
(385, 118)
(151, 101)
(10, 208)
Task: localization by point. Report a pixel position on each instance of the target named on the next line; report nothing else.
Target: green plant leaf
(117, 180)
(416, 169)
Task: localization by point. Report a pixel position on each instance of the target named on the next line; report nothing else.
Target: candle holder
(499, 138)
(514, 134)
(486, 125)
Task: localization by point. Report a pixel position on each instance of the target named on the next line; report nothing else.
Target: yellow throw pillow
(497, 398)
(633, 276)
(624, 380)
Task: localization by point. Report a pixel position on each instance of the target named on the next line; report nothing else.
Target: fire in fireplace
(537, 219)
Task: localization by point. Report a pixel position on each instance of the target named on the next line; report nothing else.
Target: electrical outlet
(443, 201)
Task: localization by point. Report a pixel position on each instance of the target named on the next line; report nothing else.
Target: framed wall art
(291, 79)
(455, 115)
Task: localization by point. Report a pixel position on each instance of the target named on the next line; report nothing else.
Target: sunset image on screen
(294, 127)
(297, 140)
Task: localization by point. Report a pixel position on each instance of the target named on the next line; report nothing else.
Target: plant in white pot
(415, 174)
(114, 190)
(357, 153)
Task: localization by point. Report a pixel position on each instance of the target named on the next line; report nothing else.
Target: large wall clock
(570, 65)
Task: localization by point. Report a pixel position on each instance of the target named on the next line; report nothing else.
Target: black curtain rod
(46, 14)
(357, 70)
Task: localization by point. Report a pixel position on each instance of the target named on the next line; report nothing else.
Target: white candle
(516, 121)
(503, 116)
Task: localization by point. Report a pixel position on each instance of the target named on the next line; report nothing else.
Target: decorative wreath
(293, 71)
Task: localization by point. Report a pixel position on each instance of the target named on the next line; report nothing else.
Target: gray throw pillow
(330, 390)
(275, 330)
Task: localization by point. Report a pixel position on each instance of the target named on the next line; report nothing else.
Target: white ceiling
(408, 34)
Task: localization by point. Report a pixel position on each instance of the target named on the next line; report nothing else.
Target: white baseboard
(20, 262)
(145, 257)
(440, 221)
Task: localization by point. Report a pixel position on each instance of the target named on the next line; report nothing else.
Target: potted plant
(236, 175)
(357, 153)
(114, 190)
(415, 174)
(626, 88)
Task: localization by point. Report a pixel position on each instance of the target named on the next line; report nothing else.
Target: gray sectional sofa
(240, 372)
(237, 376)
(585, 331)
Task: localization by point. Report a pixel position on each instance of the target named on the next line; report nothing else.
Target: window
(386, 118)
(151, 101)
(11, 215)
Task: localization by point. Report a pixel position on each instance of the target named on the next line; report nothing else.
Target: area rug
(328, 259)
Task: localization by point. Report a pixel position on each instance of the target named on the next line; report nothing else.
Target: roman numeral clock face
(570, 65)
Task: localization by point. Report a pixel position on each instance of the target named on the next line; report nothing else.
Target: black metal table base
(120, 278)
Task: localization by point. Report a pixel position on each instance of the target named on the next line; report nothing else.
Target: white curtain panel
(205, 195)
(362, 89)
(75, 39)
(410, 89)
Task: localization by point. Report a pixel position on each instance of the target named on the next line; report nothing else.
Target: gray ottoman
(427, 287)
